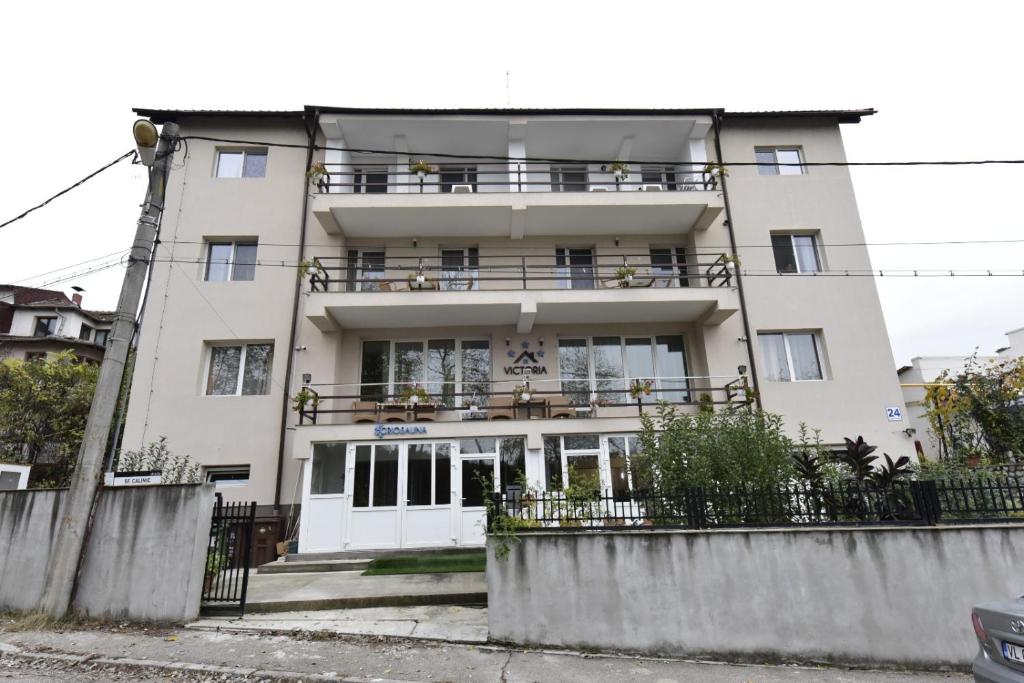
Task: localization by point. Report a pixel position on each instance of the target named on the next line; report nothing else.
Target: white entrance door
(325, 499)
(375, 519)
(474, 471)
(427, 504)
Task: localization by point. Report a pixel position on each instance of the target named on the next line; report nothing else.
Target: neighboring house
(925, 370)
(517, 251)
(36, 323)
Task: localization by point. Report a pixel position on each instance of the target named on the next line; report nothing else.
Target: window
(85, 333)
(663, 176)
(33, 356)
(605, 366)
(370, 180)
(779, 161)
(100, 338)
(230, 261)
(228, 475)
(568, 178)
(451, 370)
(512, 469)
(668, 266)
(795, 253)
(457, 175)
(459, 268)
(242, 370)
(428, 474)
(45, 326)
(376, 476)
(620, 448)
(575, 267)
(242, 163)
(365, 270)
(328, 476)
(790, 356)
(573, 460)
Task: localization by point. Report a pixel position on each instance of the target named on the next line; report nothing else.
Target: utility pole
(78, 503)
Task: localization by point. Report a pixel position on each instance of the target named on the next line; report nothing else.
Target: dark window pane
(418, 474)
(376, 182)
(574, 369)
(385, 476)
(361, 492)
(218, 263)
(785, 258)
(255, 165)
(766, 162)
(85, 332)
(476, 472)
(442, 474)
(45, 327)
(513, 464)
(259, 362)
(671, 362)
(245, 262)
(482, 445)
(328, 469)
(581, 442)
(374, 376)
(584, 472)
(101, 337)
(553, 463)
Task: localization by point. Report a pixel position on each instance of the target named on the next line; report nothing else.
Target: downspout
(717, 117)
(286, 399)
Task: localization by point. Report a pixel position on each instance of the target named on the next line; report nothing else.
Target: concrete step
(373, 554)
(309, 566)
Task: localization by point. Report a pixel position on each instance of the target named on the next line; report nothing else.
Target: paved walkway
(347, 590)
(437, 622)
(180, 654)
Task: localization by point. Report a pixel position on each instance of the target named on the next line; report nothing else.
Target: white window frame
(245, 152)
(391, 384)
(230, 483)
(592, 376)
(777, 169)
(679, 269)
(210, 346)
(211, 243)
(557, 173)
(362, 171)
(818, 353)
(792, 245)
(101, 331)
(21, 470)
(355, 269)
(49, 332)
(471, 273)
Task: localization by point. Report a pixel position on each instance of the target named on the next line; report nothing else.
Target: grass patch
(440, 563)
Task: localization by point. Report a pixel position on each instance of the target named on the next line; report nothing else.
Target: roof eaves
(841, 115)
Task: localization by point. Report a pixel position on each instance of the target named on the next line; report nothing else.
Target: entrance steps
(315, 565)
(373, 554)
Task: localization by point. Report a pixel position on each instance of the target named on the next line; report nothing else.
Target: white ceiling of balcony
(649, 139)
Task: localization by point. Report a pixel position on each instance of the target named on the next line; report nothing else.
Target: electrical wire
(95, 173)
(119, 252)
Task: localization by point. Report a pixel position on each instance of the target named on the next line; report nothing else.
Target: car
(1000, 630)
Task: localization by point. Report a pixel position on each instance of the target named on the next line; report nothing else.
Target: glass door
(575, 268)
(476, 472)
(365, 270)
(427, 509)
(459, 269)
(375, 519)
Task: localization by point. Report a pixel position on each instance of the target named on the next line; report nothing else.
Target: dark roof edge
(841, 115)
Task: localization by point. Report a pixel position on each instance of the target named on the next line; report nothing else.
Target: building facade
(377, 313)
(37, 323)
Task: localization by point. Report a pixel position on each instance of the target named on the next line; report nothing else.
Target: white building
(519, 249)
(36, 323)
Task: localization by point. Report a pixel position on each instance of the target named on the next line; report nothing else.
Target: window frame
(312, 468)
(98, 332)
(470, 175)
(819, 354)
(558, 172)
(226, 469)
(678, 277)
(242, 360)
(361, 183)
(792, 235)
(774, 169)
(85, 332)
(391, 384)
(39, 319)
(667, 177)
(470, 268)
(626, 377)
(234, 244)
(245, 152)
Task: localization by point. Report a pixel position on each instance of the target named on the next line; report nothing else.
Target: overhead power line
(95, 173)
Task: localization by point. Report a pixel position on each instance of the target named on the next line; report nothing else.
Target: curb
(257, 631)
(8, 650)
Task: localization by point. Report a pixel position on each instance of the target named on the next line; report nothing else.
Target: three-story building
(380, 313)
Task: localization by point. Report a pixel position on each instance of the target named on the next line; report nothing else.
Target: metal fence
(228, 556)
(846, 503)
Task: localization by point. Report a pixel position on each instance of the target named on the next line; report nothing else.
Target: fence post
(696, 508)
(926, 501)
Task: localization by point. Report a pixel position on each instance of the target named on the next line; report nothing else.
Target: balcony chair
(365, 411)
(560, 406)
(501, 408)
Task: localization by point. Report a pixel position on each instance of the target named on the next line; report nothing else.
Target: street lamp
(146, 137)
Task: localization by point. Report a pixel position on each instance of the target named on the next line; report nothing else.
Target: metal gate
(228, 557)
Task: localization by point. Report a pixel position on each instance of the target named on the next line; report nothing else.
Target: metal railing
(515, 272)
(228, 556)
(798, 504)
(383, 178)
(516, 399)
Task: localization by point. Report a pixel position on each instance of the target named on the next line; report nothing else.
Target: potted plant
(640, 387)
(304, 397)
(421, 169)
(716, 170)
(311, 267)
(316, 173)
(414, 393)
(522, 393)
(731, 261)
(619, 169)
(624, 274)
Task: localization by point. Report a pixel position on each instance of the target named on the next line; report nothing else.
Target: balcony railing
(381, 178)
(515, 272)
(512, 399)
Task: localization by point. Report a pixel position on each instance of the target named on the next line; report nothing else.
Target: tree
(978, 413)
(44, 405)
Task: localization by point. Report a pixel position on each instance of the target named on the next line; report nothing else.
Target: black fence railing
(228, 556)
(845, 503)
(515, 272)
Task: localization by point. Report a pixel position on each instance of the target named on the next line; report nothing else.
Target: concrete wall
(144, 558)
(896, 595)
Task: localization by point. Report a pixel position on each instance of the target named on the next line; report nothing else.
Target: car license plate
(1013, 652)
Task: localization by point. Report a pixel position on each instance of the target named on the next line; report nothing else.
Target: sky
(943, 75)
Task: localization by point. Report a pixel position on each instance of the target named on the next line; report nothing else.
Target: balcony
(574, 287)
(514, 199)
(398, 409)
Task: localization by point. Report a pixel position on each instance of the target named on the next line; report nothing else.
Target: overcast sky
(944, 76)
